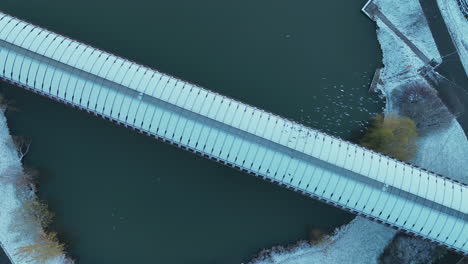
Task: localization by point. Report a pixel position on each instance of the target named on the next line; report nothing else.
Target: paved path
(373, 11)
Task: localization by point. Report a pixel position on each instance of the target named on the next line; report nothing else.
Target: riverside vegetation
(31, 219)
(420, 111)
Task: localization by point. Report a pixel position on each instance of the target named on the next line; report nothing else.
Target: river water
(121, 197)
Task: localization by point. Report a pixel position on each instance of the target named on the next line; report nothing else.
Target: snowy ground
(407, 16)
(361, 241)
(444, 152)
(10, 161)
(458, 27)
(401, 64)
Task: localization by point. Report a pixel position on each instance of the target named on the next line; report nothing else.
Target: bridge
(238, 135)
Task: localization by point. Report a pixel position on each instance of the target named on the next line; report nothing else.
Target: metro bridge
(340, 173)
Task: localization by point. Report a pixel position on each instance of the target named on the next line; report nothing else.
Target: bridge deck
(233, 133)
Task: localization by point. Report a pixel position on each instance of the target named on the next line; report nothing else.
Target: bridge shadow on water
(450, 78)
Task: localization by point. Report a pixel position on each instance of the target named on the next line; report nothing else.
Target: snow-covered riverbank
(444, 152)
(9, 160)
(10, 163)
(361, 241)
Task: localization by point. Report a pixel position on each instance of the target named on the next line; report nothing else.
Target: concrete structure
(260, 143)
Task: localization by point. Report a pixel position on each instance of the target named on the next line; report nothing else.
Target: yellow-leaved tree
(392, 135)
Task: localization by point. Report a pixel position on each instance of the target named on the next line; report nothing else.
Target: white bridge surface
(236, 134)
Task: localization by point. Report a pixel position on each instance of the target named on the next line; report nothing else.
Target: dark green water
(121, 197)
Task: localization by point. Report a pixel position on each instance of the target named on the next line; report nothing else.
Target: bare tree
(421, 104)
(47, 246)
(317, 236)
(23, 180)
(7, 105)
(68, 261)
(406, 249)
(31, 217)
(25, 184)
(26, 178)
(10, 174)
(22, 145)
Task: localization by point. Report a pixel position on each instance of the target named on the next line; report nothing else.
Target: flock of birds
(342, 111)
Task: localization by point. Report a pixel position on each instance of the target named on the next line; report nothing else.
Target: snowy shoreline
(10, 162)
(6, 252)
(443, 152)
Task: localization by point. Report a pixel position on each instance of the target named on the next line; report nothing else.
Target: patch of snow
(457, 25)
(361, 241)
(445, 153)
(400, 63)
(10, 162)
(408, 17)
